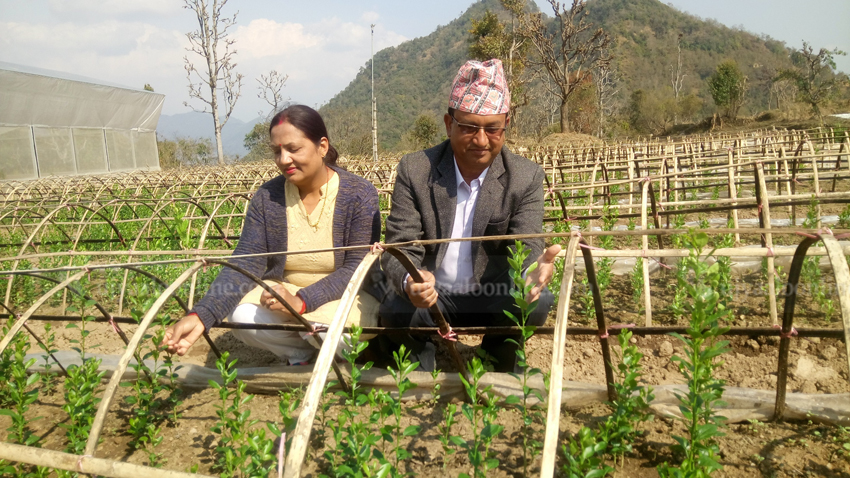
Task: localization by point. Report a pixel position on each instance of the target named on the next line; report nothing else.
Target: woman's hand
(268, 301)
(182, 335)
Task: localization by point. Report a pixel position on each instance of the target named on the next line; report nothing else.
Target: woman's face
(298, 158)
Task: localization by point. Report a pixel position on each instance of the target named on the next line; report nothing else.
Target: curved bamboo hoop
(115, 380)
(16, 327)
(842, 281)
(203, 237)
(28, 242)
(85, 464)
(313, 394)
(556, 378)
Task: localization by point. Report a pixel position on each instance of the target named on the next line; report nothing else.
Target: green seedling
(22, 394)
(585, 456)
(81, 386)
(240, 451)
(630, 407)
(707, 310)
(356, 451)
(155, 397)
(287, 405)
(48, 345)
(435, 389)
(586, 451)
(403, 384)
(480, 413)
(530, 444)
(445, 429)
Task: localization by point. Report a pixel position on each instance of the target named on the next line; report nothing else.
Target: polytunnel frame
(205, 229)
(105, 313)
(661, 253)
(156, 214)
(315, 387)
(132, 352)
(45, 220)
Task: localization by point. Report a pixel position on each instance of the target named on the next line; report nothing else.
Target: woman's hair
(309, 122)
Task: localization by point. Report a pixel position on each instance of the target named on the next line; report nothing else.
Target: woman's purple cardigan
(357, 220)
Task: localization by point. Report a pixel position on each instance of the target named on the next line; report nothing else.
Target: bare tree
(605, 80)
(210, 42)
(677, 77)
(569, 55)
(814, 76)
(492, 38)
(270, 91)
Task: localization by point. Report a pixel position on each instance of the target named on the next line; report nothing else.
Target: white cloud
(370, 17)
(116, 7)
(108, 38)
(130, 54)
(320, 57)
(263, 38)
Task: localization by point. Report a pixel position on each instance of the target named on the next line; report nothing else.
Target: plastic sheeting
(54, 124)
(741, 404)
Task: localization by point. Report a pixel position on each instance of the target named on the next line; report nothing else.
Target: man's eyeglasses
(471, 129)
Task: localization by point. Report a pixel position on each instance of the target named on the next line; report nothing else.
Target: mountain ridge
(197, 125)
(414, 77)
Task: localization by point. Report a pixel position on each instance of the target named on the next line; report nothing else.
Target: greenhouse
(56, 124)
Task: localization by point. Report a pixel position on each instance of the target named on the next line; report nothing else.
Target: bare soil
(748, 449)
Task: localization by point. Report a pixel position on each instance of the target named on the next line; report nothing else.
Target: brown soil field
(780, 449)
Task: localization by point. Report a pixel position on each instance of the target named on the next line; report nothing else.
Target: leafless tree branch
(217, 80)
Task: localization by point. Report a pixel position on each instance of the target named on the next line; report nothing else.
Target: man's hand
(541, 276)
(182, 335)
(268, 301)
(422, 295)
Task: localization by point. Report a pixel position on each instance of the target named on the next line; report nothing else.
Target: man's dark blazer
(424, 200)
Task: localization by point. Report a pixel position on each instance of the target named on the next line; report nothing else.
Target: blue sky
(320, 44)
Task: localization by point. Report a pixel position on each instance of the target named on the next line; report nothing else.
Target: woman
(312, 205)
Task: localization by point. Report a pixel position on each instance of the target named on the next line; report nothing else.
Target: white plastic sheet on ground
(741, 403)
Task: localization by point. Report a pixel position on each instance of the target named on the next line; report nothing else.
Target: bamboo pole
(764, 218)
(553, 415)
(84, 464)
(733, 194)
(313, 394)
(115, 380)
(842, 281)
(816, 183)
(644, 242)
(591, 192)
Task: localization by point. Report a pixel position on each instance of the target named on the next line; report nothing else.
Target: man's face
(474, 147)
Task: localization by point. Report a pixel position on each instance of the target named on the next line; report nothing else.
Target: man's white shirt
(455, 271)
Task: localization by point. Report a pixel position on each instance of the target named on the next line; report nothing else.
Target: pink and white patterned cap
(481, 88)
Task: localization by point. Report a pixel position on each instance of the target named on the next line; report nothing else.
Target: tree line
(566, 73)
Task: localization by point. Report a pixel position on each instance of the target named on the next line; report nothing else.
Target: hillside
(414, 77)
(643, 33)
(410, 79)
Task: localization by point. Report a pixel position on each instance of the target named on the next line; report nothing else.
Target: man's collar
(459, 177)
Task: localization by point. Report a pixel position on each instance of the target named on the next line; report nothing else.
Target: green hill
(414, 77)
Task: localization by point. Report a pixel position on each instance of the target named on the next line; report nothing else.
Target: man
(468, 186)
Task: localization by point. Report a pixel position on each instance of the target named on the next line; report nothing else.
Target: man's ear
(448, 120)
